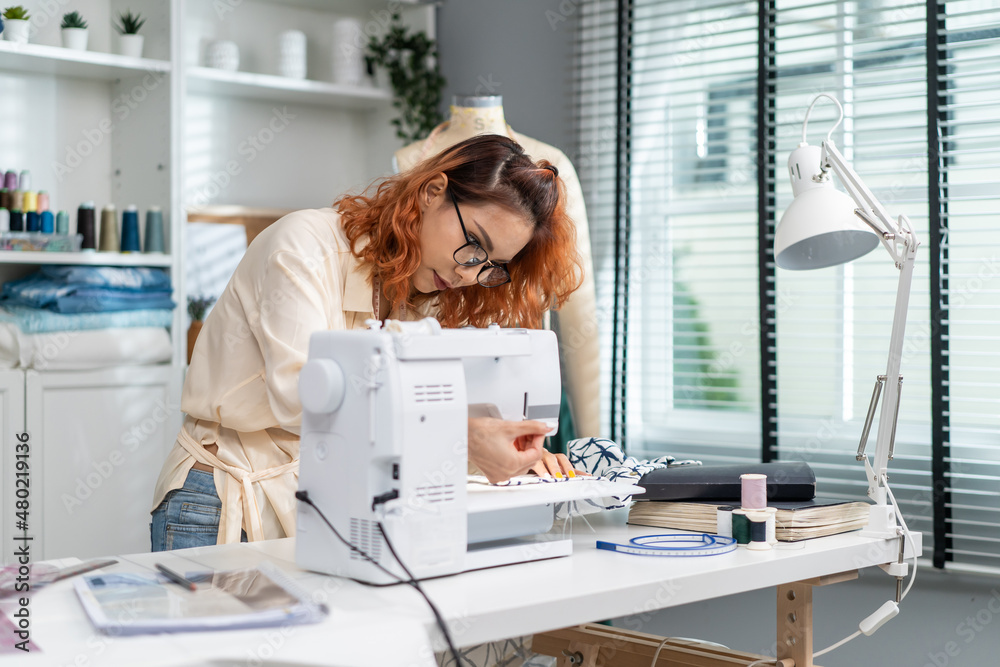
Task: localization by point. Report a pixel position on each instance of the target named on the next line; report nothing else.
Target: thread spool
(753, 491)
(43, 201)
(48, 222)
(758, 531)
(130, 229)
(154, 230)
(724, 520)
(772, 513)
(16, 221)
(24, 183)
(5, 198)
(741, 527)
(4, 220)
(62, 222)
(10, 180)
(17, 200)
(29, 201)
(33, 222)
(85, 226)
(108, 239)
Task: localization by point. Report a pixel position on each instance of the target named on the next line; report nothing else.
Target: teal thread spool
(62, 222)
(741, 527)
(130, 229)
(154, 230)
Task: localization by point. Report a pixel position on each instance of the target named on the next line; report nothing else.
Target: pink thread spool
(754, 491)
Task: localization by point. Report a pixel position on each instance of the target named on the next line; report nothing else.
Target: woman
(474, 235)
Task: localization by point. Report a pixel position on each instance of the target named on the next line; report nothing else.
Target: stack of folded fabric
(85, 317)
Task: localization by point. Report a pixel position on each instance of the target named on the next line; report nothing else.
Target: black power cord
(412, 581)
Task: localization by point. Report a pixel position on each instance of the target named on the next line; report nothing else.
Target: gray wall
(512, 48)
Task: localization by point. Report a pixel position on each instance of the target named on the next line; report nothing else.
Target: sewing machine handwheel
(321, 386)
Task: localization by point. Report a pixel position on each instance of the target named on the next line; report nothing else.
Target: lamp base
(881, 522)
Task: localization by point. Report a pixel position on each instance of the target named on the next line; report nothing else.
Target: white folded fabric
(83, 350)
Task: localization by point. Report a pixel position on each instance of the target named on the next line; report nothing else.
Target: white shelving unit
(57, 61)
(213, 82)
(165, 130)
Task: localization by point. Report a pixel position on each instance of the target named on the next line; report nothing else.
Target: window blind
(686, 113)
(966, 37)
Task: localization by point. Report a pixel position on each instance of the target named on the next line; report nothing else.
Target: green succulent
(73, 20)
(129, 23)
(16, 13)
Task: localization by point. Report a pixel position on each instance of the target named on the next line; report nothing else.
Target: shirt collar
(357, 286)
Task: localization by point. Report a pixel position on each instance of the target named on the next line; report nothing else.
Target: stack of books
(794, 521)
(687, 498)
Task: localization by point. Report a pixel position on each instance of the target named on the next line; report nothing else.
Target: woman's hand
(555, 465)
(505, 449)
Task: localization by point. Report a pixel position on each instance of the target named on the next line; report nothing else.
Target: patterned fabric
(604, 458)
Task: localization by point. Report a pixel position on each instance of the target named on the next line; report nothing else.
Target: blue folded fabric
(132, 278)
(34, 320)
(100, 289)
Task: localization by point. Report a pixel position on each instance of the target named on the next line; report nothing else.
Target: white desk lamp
(824, 227)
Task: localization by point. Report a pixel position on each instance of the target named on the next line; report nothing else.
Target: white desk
(386, 627)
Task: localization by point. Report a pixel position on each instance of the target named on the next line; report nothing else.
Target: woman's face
(498, 230)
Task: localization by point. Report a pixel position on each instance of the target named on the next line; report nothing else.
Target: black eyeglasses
(472, 254)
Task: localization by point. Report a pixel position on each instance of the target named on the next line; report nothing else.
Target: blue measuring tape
(701, 544)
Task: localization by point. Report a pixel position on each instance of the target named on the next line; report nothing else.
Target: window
(687, 113)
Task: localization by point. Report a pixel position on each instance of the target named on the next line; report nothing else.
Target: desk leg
(795, 613)
(795, 616)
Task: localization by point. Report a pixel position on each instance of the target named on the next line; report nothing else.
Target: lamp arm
(899, 238)
(901, 242)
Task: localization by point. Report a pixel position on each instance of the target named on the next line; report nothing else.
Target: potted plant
(74, 31)
(196, 309)
(129, 41)
(411, 60)
(16, 24)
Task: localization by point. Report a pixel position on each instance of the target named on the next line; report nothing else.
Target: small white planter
(130, 45)
(74, 38)
(16, 30)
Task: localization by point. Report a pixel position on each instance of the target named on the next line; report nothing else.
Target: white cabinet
(98, 441)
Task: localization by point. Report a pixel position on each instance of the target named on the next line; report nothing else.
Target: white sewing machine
(384, 439)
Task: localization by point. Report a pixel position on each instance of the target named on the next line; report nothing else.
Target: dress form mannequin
(577, 319)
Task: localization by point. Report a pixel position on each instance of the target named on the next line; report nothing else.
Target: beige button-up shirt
(241, 391)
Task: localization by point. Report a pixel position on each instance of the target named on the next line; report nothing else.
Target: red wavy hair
(487, 169)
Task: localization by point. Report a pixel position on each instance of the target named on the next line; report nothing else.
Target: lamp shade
(819, 228)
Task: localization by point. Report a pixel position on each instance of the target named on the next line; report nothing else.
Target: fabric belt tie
(239, 502)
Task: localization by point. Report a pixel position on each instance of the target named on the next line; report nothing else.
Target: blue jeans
(188, 516)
